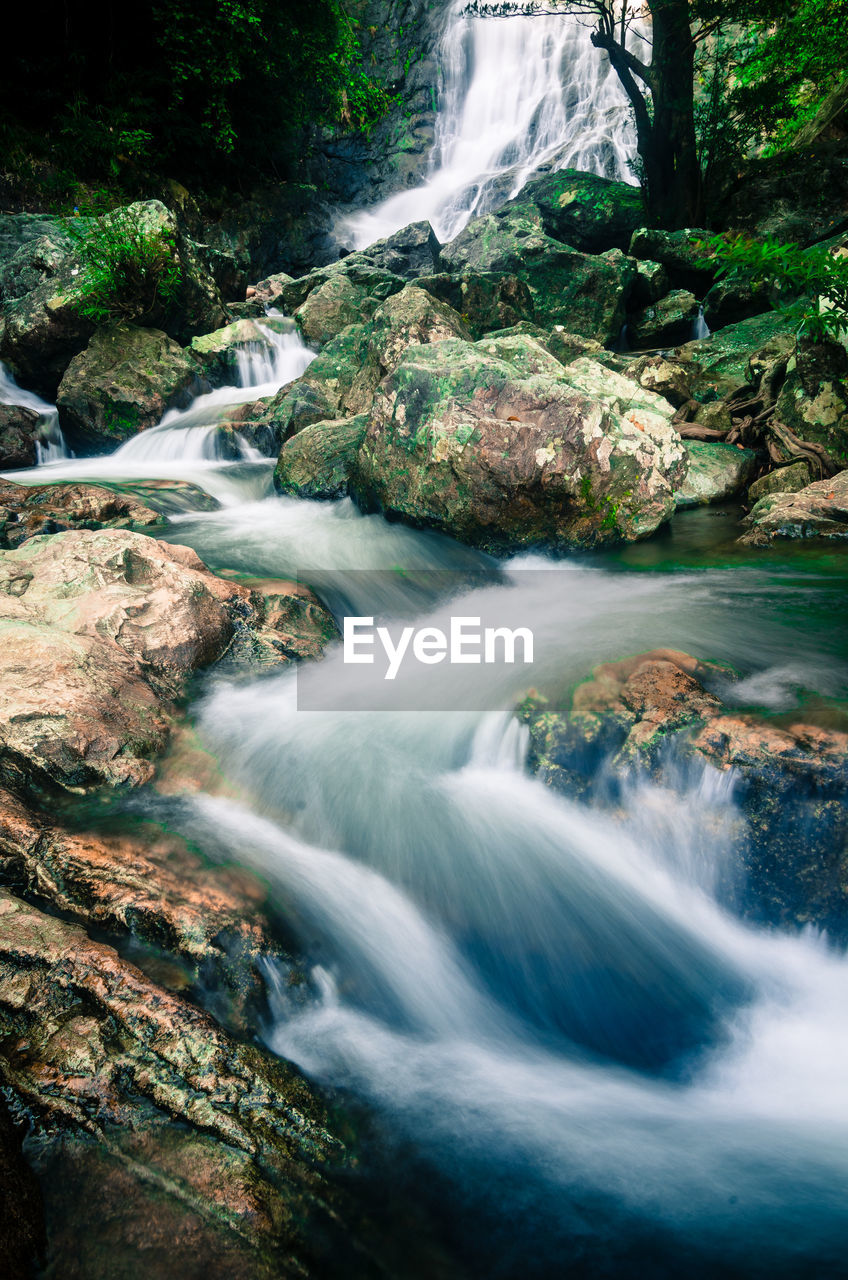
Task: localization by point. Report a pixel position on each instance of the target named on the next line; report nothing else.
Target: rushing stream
(581, 1059)
(584, 1061)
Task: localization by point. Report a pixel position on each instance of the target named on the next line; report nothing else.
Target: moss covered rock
(499, 445)
(318, 461)
(122, 383)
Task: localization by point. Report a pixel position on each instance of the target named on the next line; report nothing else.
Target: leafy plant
(131, 272)
(809, 285)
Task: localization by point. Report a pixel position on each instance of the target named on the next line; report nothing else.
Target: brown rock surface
(26, 510)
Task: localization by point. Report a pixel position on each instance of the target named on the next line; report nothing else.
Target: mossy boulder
(688, 263)
(586, 294)
(485, 300)
(583, 210)
(318, 461)
(813, 401)
(716, 473)
(499, 445)
(122, 383)
(819, 510)
(783, 480)
(411, 252)
(721, 363)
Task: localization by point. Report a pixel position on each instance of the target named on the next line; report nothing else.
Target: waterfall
(518, 95)
(189, 444)
(50, 444)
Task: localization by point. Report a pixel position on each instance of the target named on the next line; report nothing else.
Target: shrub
(130, 272)
(810, 286)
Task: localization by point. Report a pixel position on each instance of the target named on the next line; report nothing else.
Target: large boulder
(583, 210)
(319, 461)
(18, 436)
(722, 363)
(717, 472)
(499, 445)
(688, 262)
(486, 300)
(207, 1148)
(122, 383)
(44, 246)
(411, 252)
(782, 480)
(819, 510)
(584, 293)
(344, 376)
(99, 632)
(362, 276)
(45, 328)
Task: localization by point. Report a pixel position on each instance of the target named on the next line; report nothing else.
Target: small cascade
(700, 328)
(50, 445)
(519, 95)
(191, 444)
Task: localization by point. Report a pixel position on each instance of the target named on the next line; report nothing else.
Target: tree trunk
(674, 183)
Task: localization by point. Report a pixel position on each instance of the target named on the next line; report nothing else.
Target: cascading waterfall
(50, 445)
(188, 444)
(518, 95)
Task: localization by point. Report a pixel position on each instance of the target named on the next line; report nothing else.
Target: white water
(518, 94)
(188, 444)
(50, 445)
(547, 1001)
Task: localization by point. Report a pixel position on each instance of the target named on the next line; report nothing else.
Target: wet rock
(688, 263)
(331, 307)
(667, 377)
(29, 510)
(650, 283)
(318, 461)
(411, 252)
(485, 300)
(356, 271)
(39, 256)
(230, 1140)
(147, 886)
(18, 435)
(270, 290)
(583, 210)
(717, 472)
(499, 445)
(724, 359)
(730, 301)
(784, 480)
(819, 510)
(665, 323)
(100, 630)
(123, 383)
(582, 292)
(344, 376)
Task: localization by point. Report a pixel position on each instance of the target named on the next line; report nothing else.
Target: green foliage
(791, 55)
(129, 272)
(809, 285)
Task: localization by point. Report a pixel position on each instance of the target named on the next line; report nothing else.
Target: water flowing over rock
(499, 445)
(646, 711)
